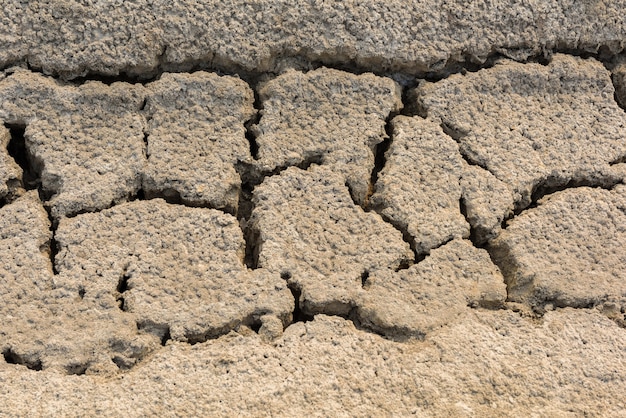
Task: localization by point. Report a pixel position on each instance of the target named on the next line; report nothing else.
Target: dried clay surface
(315, 208)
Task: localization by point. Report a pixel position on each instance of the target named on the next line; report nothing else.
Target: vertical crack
(298, 315)
(18, 150)
(122, 287)
(251, 129)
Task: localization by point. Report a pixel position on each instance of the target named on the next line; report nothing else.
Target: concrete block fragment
(329, 117)
(86, 141)
(311, 232)
(176, 269)
(568, 251)
(196, 135)
(534, 127)
(419, 188)
(433, 293)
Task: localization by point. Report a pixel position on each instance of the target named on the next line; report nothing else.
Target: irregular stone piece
(196, 135)
(432, 293)
(44, 327)
(10, 172)
(568, 251)
(311, 232)
(487, 201)
(25, 267)
(533, 126)
(86, 141)
(418, 189)
(329, 117)
(490, 363)
(179, 270)
(73, 38)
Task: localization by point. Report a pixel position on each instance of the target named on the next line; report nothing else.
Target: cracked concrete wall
(199, 217)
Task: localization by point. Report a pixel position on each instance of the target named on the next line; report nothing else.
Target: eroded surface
(196, 135)
(533, 126)
(444, 262)
(419, 189)
(569, 251)
(326, 116)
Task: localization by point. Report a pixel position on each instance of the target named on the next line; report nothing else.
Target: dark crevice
(146, 144)
(253, 174)
(122, 287)
(166, 337)
(553, 185)
(298, 315)
(251, 126)
(11, 357)
(473, 234)
(18, 150)
(379, 161)
(406, 237)
(78, 369)
(365, 279)
(619, 160)
(53, 244)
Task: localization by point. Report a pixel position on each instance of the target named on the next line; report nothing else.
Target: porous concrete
(568, 251)
(179, 270)
(419, 189)
(71, 38)
(534, 126)
(86, 142)
(312, 208)
(196, 136)
(326, 116)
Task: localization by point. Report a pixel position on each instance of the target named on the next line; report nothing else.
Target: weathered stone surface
(491, 363)
(327, 116)
(487, 201)
(86, 141)
(44, 327)
(619, 80)
(433, 293)
(419, 189)
(72, 38)
(25, 235)
(311, 232)
(182, 267)
(534, 126)
(10, 172)
(196, 135)
(568, 251)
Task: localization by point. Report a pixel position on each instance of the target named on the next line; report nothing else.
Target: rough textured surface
(180, 269)
(419, 189)
(196, 135)
(86, 141)
(310, 231)
(568, 251)
(534, 126)
(433, 293)
(511, 301)
(487, 202)
(327, 116)
(10, 172)
(45, 327)
(489, 364)
(72, 38)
